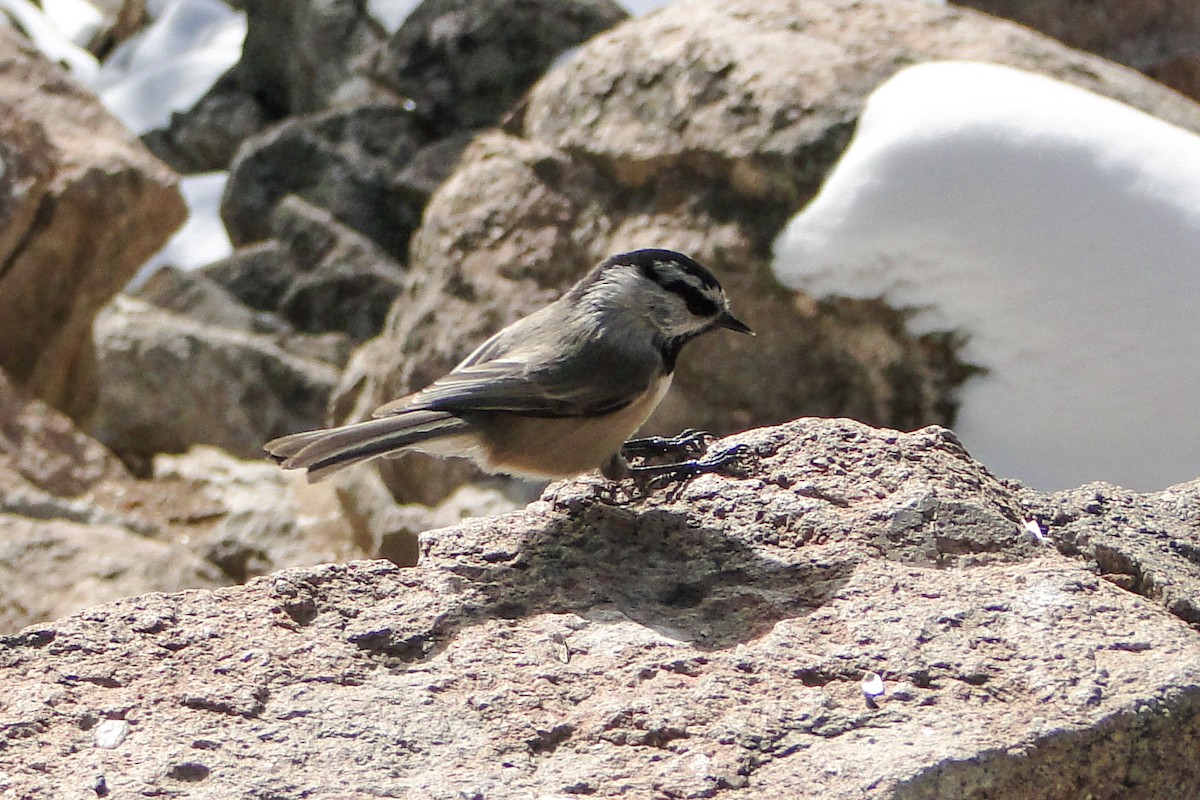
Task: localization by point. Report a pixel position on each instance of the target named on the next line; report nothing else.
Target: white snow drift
(1061, 231)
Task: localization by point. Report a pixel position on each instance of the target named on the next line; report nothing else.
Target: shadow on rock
(689, 582)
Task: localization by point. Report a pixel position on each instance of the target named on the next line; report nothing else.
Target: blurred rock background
(393, 181)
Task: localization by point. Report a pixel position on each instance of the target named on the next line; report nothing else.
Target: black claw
(691, 442)
(651, 477)
(645, 479)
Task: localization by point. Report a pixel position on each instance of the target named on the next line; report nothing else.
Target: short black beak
(731, 322)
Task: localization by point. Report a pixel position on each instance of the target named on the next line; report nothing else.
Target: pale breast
(559, 447)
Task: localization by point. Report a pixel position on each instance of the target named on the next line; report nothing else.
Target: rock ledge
(706, 642)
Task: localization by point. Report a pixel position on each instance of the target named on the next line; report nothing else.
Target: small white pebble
(110, 733)
(872, 684)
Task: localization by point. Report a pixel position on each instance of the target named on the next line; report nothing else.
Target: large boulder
(702, 127)
(846, 613)
(84, 205)
(1160, 38)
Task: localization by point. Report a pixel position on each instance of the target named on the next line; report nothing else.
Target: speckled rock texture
(710, 639)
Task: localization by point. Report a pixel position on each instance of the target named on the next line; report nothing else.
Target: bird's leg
(653, 476)
(691, 442)
(648, 478)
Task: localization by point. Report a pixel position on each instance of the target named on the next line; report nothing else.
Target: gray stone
(708, 640)
(168, 382)
(195, 295)
(463, 63)
(343, 161)
(206, 137)
(315, 276)
(257, 274)
(343, 280)
(297, 53)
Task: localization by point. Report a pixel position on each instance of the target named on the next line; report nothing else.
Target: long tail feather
(324, 452)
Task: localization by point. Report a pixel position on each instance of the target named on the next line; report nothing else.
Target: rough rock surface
(342, 160)
(706, 641)
(76, 529)
(702, 127)
(463, 63)
(71, 534)
(1160, 38)
(1149, 544)
(168, 382)
(83, 205)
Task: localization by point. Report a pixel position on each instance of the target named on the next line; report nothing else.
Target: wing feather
(508, 374)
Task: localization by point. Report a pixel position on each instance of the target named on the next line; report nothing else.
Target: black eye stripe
(676, 273)
(698, 302)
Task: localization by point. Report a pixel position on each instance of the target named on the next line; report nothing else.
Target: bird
(555, 394)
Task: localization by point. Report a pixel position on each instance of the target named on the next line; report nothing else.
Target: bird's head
(671, 293)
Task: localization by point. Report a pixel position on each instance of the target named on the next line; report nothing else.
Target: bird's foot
(691, 442)
(651, 477)
(631, 482)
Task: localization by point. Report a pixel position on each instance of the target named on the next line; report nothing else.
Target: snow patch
(391, 13)
(202, 239)
(53, 37)
(171, 64)
(1061, 231)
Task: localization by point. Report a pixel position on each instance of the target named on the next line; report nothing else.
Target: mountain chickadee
(554, 394)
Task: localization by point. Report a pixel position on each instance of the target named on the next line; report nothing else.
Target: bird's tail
(324, 452)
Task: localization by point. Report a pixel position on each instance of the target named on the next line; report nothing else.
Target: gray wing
(586, 376)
